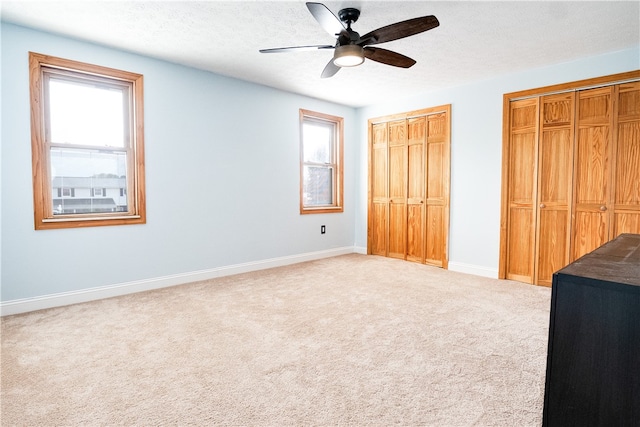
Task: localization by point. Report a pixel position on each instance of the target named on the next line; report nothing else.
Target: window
(87, 144)
(321, 141)
(66, 192)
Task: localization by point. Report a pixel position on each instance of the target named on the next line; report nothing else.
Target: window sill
(94, 221)
(323, 209)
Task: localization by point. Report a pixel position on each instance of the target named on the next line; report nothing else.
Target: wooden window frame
(337, 163)
(40, 67)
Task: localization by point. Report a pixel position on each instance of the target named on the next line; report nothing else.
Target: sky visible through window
(86, 115)
(317, 143)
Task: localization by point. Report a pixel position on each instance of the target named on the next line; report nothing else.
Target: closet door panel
(379, 191)
(629, 101)
(592, 171)
(592, 165)
(626, 222)
(552, 253)
(378, 232)
(436, 190)
(521, 190)
(626, 207)
(435, 243)
(435, 166)
(523, 157)
(521, 232)
(416, 131)
(397, 236)
(415, 232)
(590, 231)
(397, 190)
(555, 167)
(627, 188)
(554, 186)
(436, 157)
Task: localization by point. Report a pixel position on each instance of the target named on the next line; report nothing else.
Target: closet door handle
(542, 206)
(603, 208)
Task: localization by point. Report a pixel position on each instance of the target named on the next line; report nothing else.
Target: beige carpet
(352, 340)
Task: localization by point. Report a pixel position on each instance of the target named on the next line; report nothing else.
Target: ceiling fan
(351, 49)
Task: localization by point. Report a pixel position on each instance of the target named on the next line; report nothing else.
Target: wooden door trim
(591, 83)
(369, 189)
(447, 189)
(504, 190)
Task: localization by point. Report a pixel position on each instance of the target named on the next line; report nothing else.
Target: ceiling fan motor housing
(349, 15)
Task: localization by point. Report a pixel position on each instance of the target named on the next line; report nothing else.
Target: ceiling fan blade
(388, 57)
(326, 19)
(297, 48)
(330, 70)
(399, 30)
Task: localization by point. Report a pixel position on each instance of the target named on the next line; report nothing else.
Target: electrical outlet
(323, 229)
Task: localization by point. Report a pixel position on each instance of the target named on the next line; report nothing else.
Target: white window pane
(317, 141)
(86, 114)
(318, 186)
(97, 178)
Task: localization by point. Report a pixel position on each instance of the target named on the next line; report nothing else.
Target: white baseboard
(360, 250)
(476, 270)
(74, 297)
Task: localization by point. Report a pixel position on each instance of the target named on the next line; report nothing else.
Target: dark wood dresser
(593, 360)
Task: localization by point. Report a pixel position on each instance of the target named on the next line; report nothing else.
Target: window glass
(321, 162)
(318, 139)
(86, 114)
(318, 186)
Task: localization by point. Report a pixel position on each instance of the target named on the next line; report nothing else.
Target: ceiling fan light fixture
(348, 55)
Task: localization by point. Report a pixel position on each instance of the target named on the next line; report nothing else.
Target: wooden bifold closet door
(409, 185)
(571, 174)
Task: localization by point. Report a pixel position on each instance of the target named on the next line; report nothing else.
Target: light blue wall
(222, 174)
(476, 151)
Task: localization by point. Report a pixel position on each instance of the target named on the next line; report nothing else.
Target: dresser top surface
(616, 261)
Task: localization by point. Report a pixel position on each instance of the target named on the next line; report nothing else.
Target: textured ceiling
(475, 40)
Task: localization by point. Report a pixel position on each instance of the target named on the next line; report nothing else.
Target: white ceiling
(476, 40)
